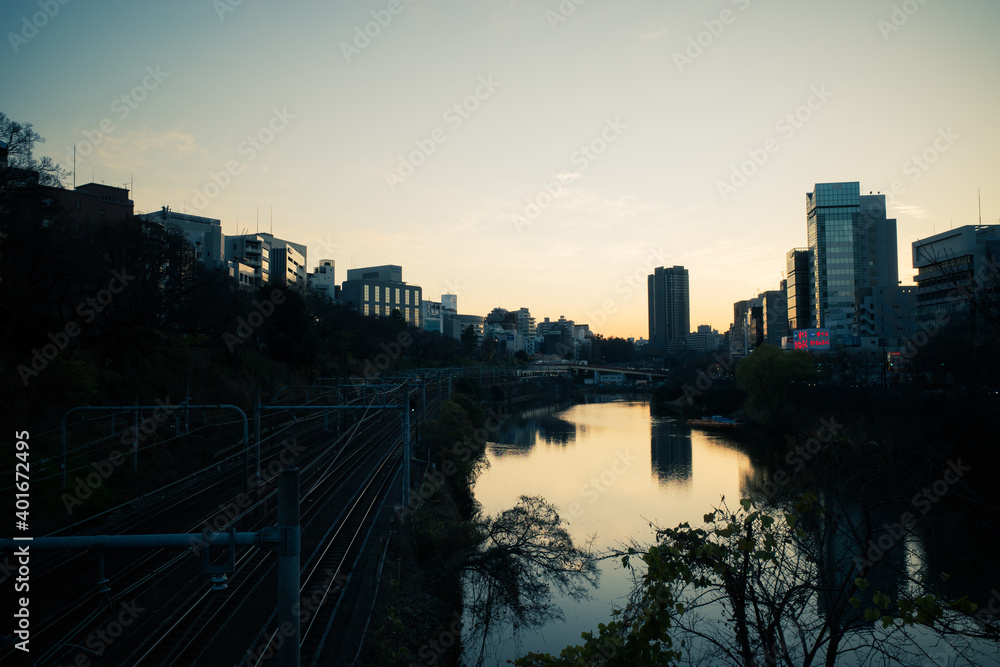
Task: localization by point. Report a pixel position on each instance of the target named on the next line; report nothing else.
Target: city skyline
(562, 157)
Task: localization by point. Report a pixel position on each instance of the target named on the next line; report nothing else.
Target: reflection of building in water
(555, 430)
(845, 552)
(670, 451)
(522, 431)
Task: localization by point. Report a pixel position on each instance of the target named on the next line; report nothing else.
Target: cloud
(909, 210)
(655, 35)
(142, 147)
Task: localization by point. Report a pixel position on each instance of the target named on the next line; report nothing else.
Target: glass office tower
(852, 245)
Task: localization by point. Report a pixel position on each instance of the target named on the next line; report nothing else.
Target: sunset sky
(524, 152)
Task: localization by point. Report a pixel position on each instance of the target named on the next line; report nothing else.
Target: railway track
(65, 599)
(184, 621)
(189, 630)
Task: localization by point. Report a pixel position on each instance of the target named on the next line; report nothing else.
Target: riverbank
(420, 595)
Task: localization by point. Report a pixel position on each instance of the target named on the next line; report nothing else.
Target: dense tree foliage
(611, 350)
(766, 376)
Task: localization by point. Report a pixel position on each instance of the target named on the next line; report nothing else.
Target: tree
(524, 552)
(771, 586)
(470, 338)
(612, 350)
(766, 376)
(500, 316)
(23, 167)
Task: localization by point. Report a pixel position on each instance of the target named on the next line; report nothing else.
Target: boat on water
(715, 421)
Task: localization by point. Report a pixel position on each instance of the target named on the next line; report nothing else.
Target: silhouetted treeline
(91, 307)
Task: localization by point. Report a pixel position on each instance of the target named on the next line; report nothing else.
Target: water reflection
(519, 433)
(596, 471)
(595, 474)
(670, 451)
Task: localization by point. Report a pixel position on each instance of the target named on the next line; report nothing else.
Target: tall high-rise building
(797, 288)
(669, 306)
(738, 344)
(774, 315)
(852, 245)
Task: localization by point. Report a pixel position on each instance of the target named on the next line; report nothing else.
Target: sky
(523, 153)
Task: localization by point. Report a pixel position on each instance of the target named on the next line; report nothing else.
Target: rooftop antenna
(74, 166)
(257, 230)
(272, 219)
(980, 191)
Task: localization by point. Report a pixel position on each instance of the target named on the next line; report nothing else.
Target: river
(613, 470)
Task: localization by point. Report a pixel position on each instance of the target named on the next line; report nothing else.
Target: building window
(377, 297)
(366, 309)
(367, 296)
(407, 297)
(397, 297)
